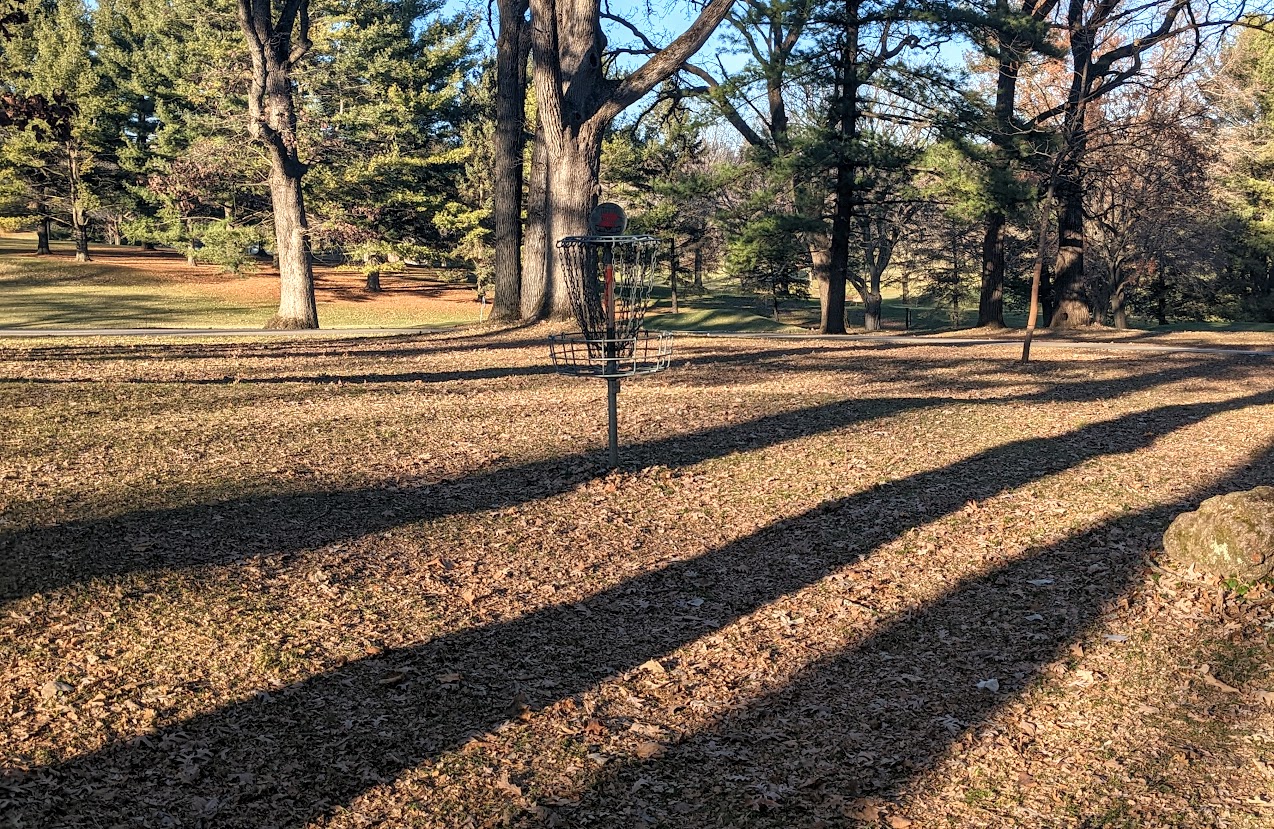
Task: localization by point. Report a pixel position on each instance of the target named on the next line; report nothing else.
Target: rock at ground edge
(1230, 535)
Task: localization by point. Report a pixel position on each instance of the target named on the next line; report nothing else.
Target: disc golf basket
(608, 276)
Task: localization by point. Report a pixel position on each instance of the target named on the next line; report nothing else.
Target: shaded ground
(128, 287)
(388, 582)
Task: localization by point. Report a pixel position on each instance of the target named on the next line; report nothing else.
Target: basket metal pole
(612, 411)
(612, 382)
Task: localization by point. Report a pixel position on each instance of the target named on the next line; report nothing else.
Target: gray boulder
(1231, 535)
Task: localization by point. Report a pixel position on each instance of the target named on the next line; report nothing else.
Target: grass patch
(131, 288)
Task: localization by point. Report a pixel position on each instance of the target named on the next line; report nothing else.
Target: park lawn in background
(126, 287)
(368, 582)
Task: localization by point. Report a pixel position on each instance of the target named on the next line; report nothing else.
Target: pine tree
(63, 165)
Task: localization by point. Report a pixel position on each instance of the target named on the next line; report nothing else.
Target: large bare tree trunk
(1071, 300)
(276, 47)
(79, 213)
(535, 250)
(291, 234)
(1089, 28)
(845, 123)
(512, 47)
(576, 103)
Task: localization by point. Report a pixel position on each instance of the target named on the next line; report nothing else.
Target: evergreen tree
(63, 162)
(1241, 92)
(383, 117)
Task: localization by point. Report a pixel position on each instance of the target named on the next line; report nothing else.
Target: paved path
(1039, 342)
(214, 332)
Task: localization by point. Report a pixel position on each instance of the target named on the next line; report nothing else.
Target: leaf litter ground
(389, 582)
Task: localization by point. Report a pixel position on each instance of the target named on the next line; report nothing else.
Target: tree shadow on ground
(867, 720)
(46, 557)
(454, 376)
(381, 346)
(287, 758)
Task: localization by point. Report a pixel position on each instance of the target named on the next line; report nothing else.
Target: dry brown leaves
(357, 582)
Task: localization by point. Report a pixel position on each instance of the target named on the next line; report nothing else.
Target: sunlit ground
(390, 582)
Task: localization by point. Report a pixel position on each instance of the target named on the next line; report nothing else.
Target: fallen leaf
(653, 666)
(1039, 582)
(447, 678)
(647, 749)
(1208, 679)
(991, 685)
(869, 809)
(898, 821)
(505, 785)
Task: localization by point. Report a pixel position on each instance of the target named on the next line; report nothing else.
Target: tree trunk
(845, 124)
(81, 240)
(672, 272)
(1161, 306)
(872, 302)
(1119, 310)
(512, 48)
(1070, 294)
(820, 269)
(275, 49)
(1004, 137)
(371, 266)
(535, 250)
(297, 309)
(991, 297)
(79, 213)
(42, 236)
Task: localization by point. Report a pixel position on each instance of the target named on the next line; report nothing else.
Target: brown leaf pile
(390, 582)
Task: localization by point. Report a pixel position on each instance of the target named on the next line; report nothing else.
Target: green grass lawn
(125, 289)
(56, 292)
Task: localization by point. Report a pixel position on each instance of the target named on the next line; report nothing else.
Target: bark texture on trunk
(513, 45)
(1071, 308)
(535, 247)
(81, 243)
(276, 47)
(872, 302)
(79, 211)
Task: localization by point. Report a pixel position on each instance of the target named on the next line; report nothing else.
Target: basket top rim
(583, 336)
(606, 240)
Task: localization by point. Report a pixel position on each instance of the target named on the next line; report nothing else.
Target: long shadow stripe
(285, 759)
(42, 558)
